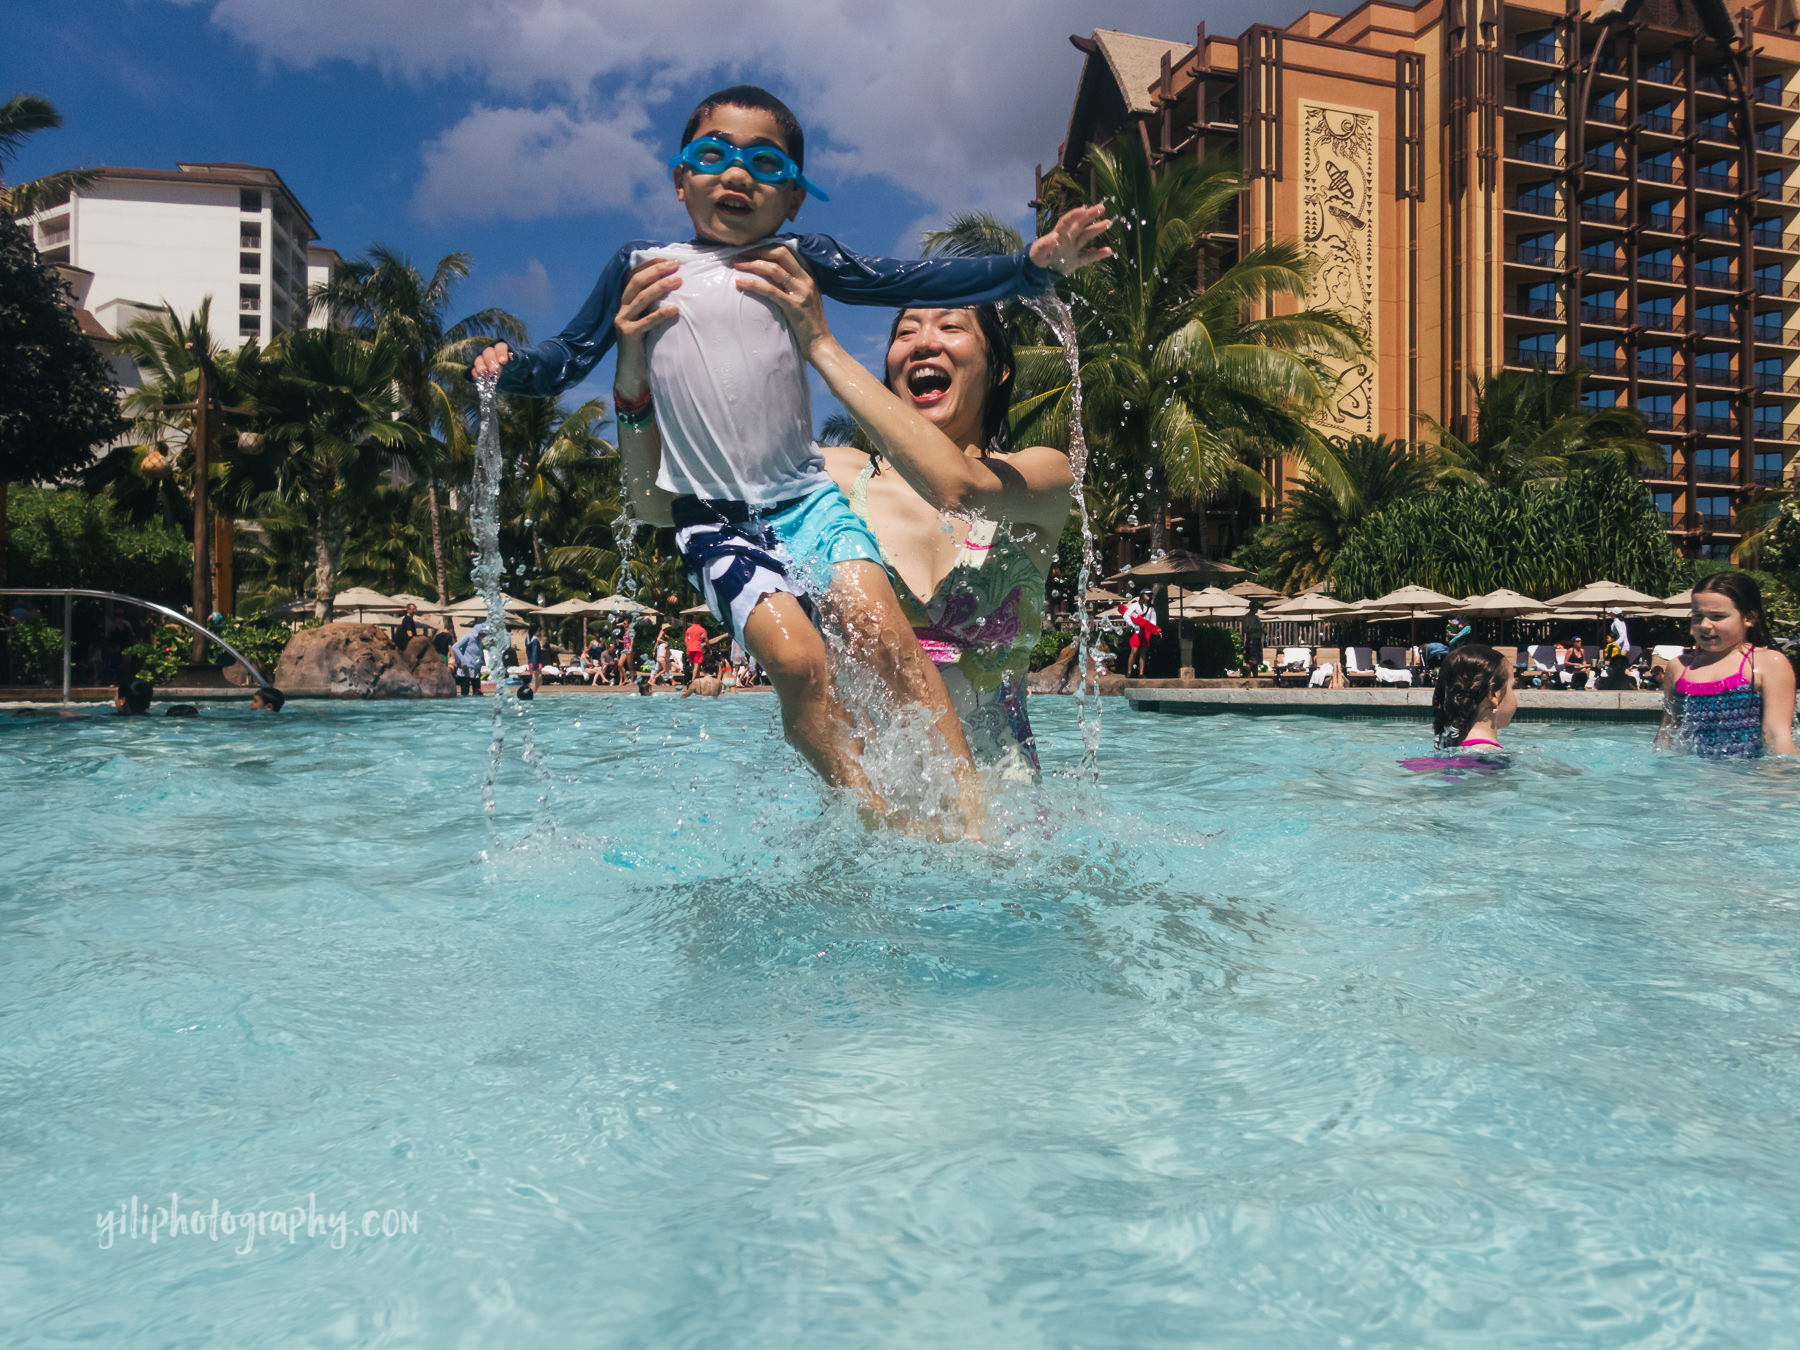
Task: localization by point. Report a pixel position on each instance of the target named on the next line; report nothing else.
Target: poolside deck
(1197, 698)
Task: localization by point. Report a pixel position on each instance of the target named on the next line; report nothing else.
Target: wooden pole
(201, 432)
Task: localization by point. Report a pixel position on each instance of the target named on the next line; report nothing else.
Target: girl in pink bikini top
(1475, 699)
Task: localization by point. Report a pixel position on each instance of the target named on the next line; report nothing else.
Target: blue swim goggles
(764, 163)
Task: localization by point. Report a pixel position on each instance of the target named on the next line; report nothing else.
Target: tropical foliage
(1188, 387)
(1530, 427)
(1542, 541)
(1299, 546)
(385, 297)
(73, 539)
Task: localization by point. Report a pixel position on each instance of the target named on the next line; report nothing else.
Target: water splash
(489, 573)
(1050, 308)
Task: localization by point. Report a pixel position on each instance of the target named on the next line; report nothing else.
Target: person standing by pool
(534, 656)
(974, 593)
(695, 641)
(468, 658)
(1734, 695)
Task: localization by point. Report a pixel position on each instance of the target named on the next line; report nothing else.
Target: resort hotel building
(134, 240)
(1495, 185)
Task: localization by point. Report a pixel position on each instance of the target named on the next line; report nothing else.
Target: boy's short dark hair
(752, 96)
(137, 694)
(272, 697)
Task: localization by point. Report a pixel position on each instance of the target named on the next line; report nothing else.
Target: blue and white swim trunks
(736, 557)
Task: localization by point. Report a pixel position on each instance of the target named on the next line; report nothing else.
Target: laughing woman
(967, 526)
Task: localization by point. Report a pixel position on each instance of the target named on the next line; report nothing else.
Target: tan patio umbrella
(1176, 567)
(1303, 607)
(477, 606)
(1211, 603)
(1408, 603)
(1099, 595)
(621, 604)
(1501, 604)
(404, 598)
(1599, 596)
(1254, 591)
(360, 599)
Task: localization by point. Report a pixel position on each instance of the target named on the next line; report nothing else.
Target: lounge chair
(1391, 666)
(1296, 661)
(1328, 669)
(1359, 664)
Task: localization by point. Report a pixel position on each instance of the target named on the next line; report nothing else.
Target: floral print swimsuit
(978, 627)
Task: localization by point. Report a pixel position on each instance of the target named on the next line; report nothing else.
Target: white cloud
(956, 108)
(529, 289)
(524, 163)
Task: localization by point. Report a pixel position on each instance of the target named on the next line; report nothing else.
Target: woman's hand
(779, 277)
(1074, 241)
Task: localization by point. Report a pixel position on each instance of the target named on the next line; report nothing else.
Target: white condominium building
(137, 239)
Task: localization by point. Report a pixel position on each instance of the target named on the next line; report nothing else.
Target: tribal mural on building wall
(1337, 212)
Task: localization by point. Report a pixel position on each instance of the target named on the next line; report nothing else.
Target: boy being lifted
(715, 377)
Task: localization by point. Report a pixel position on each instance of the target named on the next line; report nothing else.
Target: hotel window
(1712, 464)
(1771, 467)
(1713, 368)
(1658, 70)
(1658, 409)
(1660, 215)
(1714, 414)
(1665, 505)
(1541, 301)
(1600, 256)
(1538, 350)
(1714, 271)
(1539, 147)
(1713, 320)
(1609, 107)
(1715, 127)
(1715, 510)
(1597, 400)
(1656, 363)
(1767, 419)
(1658, 168)
(1769, 372)
(1538, 95)
(1657, 313)
(1769, 279)
(249, 199)
(1539, 249)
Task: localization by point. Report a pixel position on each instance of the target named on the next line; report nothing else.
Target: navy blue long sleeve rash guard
(549, 367)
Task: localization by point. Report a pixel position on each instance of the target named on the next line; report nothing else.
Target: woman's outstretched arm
(1031, 486)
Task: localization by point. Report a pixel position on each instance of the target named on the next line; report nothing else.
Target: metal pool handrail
(69, 592)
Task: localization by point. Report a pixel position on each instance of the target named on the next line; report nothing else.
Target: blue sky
(531, 134)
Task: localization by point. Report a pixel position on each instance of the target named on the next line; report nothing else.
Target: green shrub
(163, 657)
(71, 539)
(262, 640)
(1538, 540)
(1049, 646)
(37, 650)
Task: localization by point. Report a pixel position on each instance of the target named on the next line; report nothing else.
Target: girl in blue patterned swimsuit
(1731, 700)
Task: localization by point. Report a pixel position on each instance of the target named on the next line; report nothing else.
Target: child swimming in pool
(1734, 697)
(762, 530)
(1474, 701)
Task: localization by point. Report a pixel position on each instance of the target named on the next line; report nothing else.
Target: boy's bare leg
(880, 639)
(792, 653)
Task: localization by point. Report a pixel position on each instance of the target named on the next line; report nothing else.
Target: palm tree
(1531, 427)
(21, 117)
(385, 296)
(1317, 520)
(552, 456)
(1183, 389)
(329, 402)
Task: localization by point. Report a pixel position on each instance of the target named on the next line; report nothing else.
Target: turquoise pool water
(1272, 1044)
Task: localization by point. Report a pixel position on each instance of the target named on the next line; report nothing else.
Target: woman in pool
(973, 590)
(1734, 695)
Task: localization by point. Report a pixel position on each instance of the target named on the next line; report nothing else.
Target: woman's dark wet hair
(761, 100)
(996, 431)
(1742, 590)
(1470, 676)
